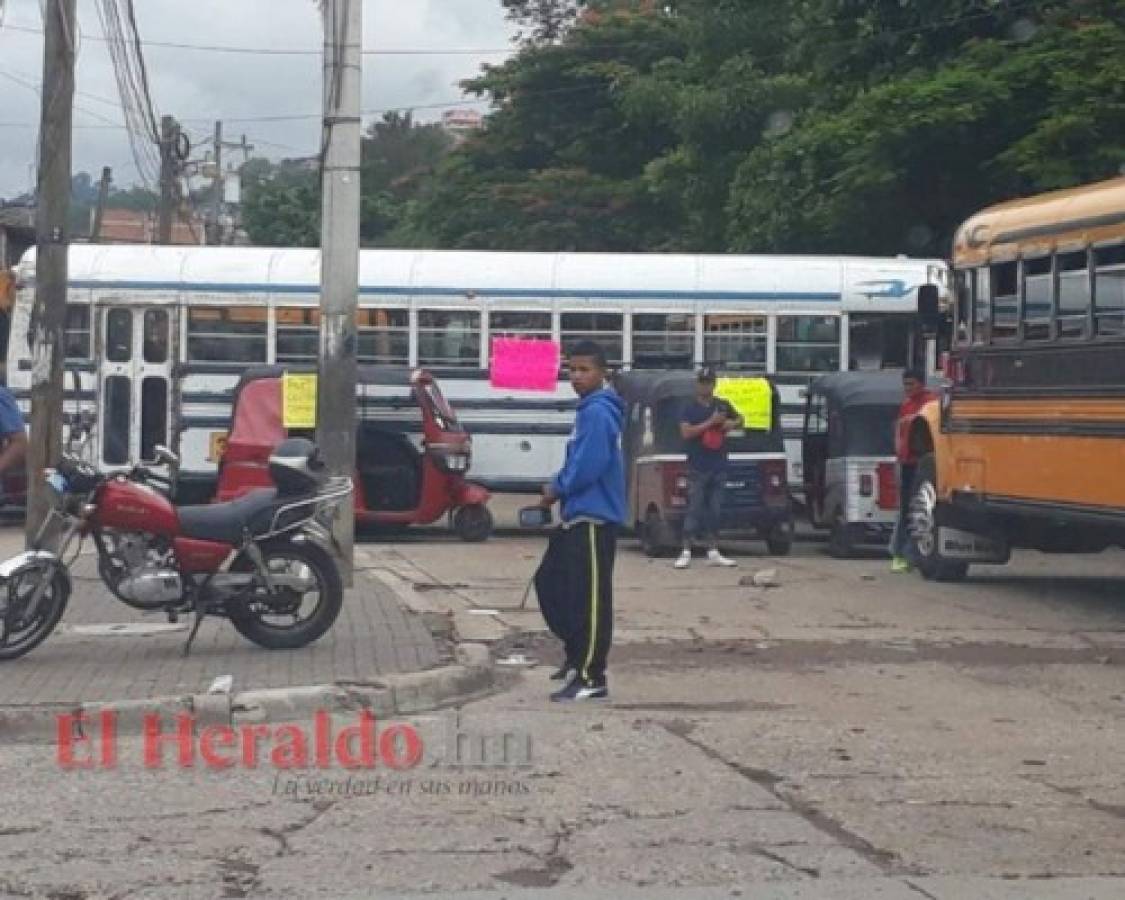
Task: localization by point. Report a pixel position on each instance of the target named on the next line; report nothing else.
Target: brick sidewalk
(374, 635)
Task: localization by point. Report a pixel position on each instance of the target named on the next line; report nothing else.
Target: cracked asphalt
(846, 735)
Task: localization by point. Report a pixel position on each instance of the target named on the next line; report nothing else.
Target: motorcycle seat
(226, 522)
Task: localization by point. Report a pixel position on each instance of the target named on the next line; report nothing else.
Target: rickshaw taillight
(888, 486)
(773, 477)
(675, 485)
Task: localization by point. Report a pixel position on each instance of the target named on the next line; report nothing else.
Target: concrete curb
(392, 695)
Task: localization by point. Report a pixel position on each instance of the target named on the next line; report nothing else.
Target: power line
(292, 51)
(31, 86)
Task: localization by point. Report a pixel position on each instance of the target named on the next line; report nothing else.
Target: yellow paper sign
(298, 401)
(752, 398)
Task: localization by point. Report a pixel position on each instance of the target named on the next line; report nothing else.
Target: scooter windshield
(443, 412)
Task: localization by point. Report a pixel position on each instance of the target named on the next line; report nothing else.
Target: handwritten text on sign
(751, 397)
(525, 365)
(298, 401)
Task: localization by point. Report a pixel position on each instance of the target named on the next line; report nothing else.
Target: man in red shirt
(917, 396)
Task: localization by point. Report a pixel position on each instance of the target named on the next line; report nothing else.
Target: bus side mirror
(929, 309)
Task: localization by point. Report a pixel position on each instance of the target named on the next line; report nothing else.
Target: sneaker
(715, 558)
(578, 690)
(900, 564)
(684, 560)
(565, 672)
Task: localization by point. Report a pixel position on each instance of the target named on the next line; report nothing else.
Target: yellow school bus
(1027, 448)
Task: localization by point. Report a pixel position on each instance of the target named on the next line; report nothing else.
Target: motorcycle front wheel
(289, 617)
(21, 629)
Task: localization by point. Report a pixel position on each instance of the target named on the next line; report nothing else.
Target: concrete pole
(99, 210)
(167, 179)
(217, 189)
(52, 242)
(339, 255)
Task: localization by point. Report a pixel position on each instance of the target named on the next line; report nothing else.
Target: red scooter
(396, 483)
(258, 561)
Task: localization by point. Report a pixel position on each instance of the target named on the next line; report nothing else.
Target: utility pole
(339, 254)
(99, 210)
(167, 179)
(217, 189)
(52, 241)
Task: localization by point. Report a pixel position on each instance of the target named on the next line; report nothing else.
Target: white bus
(161, 334)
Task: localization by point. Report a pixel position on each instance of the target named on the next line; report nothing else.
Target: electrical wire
(281, 51)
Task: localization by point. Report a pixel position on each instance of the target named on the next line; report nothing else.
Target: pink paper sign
(525, 365)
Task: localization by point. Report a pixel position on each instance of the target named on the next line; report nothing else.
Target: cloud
(199, 87)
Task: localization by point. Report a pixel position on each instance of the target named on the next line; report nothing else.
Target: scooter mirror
(535, 517)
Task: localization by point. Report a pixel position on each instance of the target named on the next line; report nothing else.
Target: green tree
(900, 165)
(559, 166)
(282, 206)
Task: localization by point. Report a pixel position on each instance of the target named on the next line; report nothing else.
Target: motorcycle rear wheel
(251, 616)
(18, 637)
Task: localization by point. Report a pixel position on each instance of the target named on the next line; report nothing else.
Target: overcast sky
(198, 87)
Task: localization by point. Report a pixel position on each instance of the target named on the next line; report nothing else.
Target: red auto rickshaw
(398, 482)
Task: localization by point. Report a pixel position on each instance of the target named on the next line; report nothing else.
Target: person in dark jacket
(574, 583)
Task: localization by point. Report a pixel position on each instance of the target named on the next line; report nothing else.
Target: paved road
(83, 662)
(847, 733)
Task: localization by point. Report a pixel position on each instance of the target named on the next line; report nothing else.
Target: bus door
(135, 383)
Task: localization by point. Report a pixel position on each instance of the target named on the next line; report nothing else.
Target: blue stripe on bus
(412, 425)
(421, 291)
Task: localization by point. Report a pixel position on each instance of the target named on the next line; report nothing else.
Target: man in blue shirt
(575, 580)
(13, 437)
(704, 425)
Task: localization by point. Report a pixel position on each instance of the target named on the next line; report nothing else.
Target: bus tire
(923, 527)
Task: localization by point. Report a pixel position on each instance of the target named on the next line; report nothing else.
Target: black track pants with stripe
(574, 585)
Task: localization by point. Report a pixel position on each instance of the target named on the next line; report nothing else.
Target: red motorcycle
(258, 560)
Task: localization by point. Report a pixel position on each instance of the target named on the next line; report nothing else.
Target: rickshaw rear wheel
(473, 524)
(840, 543)
(652, 529)
(779, 540)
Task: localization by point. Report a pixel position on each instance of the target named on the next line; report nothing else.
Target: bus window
(878, 341)
(1109, 290)
(1037, 299)
(384, 336)
(664, 339)
(119, 335)
(448, 338)
(735, 342)
(154, 416)
(155, 337)
(525, 325)
(298, 334)
(606, 329)
(1005, 297)
(1074, 294)
(117, 419)
(982, 306)
(505, 323)
(227, 334)
(77, 331)
(808, 343)
(963, 320)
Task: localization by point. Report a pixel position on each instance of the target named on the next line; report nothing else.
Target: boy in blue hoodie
(575, 580)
